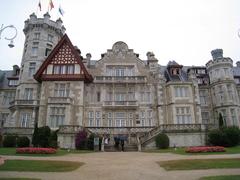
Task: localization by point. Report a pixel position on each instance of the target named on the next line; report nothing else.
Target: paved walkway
(123, 166)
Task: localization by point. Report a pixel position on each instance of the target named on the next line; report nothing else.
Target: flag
(39, 5)
(51, 4)
(61, 11)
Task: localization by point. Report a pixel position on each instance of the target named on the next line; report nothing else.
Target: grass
(192, 164)
(230, 177)
(18, 179)
(60, 152)
(229, 150)
(39, 166)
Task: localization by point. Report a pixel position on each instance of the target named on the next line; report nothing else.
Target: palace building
(119, 94)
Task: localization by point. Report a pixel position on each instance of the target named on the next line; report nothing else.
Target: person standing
(122, 144)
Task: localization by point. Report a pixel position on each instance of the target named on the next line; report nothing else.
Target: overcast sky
(182, 30)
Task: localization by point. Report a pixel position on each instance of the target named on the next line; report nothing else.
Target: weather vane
(11, 45)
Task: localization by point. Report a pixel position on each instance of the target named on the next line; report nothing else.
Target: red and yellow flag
(51, 4)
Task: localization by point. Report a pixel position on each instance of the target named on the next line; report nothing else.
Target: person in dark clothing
(122, 144)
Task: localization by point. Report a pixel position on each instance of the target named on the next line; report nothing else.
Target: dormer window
(175, 71)
(13, 82)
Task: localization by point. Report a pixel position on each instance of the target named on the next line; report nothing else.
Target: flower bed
(200, 149)
(33, 150)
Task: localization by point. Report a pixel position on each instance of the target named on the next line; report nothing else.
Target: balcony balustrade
(60, 100)
(24, 102)
(116, 104)
(120, 79)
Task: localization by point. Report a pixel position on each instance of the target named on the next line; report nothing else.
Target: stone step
(111, 148)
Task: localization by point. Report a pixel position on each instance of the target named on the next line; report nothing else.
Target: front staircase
(127, 148)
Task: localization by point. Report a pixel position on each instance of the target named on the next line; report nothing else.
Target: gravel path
(123, 166)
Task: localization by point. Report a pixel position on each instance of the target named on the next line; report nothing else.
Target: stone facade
(119, 94)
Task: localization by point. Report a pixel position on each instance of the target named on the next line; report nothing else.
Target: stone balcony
(120, 104)
(60, 100)
(24, 103)
(120, 79)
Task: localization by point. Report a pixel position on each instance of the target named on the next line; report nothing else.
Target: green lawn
(230, 177)
(191, 164)
(230, 150)
(60, 152)
(18, 179)
(39, 166)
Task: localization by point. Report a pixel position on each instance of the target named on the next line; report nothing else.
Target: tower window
(48, 49)
(32, 68)
(50, 38)
(36, 36)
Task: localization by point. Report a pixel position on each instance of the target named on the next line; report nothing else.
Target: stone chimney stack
(217, 53)
(238, 64)
(89, 56)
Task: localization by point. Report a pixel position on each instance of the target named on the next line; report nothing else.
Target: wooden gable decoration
(63, 64)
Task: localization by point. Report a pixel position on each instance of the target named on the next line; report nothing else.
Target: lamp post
(11, 45)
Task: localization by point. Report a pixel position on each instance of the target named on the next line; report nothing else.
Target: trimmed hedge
(162, 141)
(226, 136)
(9, 141)
(23, 141)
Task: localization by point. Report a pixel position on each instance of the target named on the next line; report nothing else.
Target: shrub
(199, 149)
(34, 150)
(23, 141)
(53, 139)
(9, 141)
(226, 136)
(162, 141)
(81, 140)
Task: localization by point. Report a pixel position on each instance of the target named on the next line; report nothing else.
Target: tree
(162, 141)
(220, 120)
(35, 137)
(44, 134)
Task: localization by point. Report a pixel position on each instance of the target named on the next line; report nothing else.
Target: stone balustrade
(117, 79)
(62, 100)
(24, 102)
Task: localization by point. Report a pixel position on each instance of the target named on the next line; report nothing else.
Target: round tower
(41, 36)
(225, 99)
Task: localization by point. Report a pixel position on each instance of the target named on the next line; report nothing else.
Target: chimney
(238, 63)
(89, 56)
(217, 53)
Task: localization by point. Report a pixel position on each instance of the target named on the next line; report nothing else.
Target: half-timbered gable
(63, 63)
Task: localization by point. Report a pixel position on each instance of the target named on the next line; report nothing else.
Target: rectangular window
(120, 119)
(205, 117)
(31, 69)
(13, 82)
(62, 90)
(234, 119)
(36, 36)
(50, 38)
(98, 118)
(98, 96)
(25, 119)
(4, 117)
(181, 91)
(142, 118)
(70, 69)
(120, 96)
(28, 94)
(230, 92)
(34, 51)
(90, 118)
(183, 115)
(203, 97)
(130, 119)
(110, 119)
(57, 116)
(149, 118)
